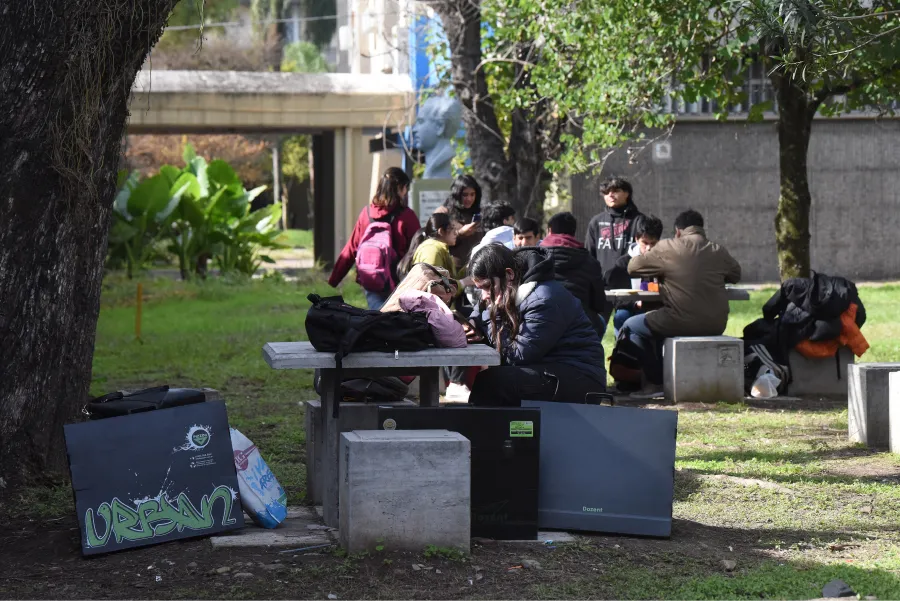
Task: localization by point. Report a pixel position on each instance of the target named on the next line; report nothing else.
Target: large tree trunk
(796, 110)
(66, 71)
(461, 20)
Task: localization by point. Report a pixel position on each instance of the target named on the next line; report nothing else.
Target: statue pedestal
(427, 195)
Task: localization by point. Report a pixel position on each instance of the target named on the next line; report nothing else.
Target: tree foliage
(200, 212)
(609, 67)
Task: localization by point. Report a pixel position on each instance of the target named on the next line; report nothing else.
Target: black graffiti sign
(153, 477)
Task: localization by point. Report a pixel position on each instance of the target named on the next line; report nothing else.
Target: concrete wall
(729, 172)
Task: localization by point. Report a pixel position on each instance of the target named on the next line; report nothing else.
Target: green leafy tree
(195, 12)
(609, 66)
(303, 57)
(509, 143)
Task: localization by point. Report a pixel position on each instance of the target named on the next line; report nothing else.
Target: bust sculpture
(436, 124)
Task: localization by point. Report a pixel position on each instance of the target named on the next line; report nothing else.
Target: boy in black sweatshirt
(610, 233)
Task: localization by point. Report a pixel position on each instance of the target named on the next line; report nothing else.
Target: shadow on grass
(782, 458)
(689, 565)
(791, 404)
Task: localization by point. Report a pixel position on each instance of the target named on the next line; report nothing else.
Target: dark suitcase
(118, 403)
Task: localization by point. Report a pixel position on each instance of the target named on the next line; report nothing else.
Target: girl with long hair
(389, 206)
(463, 204)
(432, 245)
(549, 349)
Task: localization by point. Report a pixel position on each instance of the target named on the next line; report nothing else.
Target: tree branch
(865, 43)
(855, 83)
(866, 16)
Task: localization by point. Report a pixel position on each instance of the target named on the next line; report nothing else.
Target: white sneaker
(457, 393)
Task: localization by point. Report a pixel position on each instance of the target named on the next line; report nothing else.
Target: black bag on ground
(119, 403)
(625, 363)
(333, 326)
(386, 389)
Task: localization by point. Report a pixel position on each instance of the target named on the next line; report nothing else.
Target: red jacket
(403, 228)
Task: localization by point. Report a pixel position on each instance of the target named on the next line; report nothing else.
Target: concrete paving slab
(303, 527)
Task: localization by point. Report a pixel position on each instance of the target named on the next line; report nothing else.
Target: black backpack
(333, 326)
(120, 403)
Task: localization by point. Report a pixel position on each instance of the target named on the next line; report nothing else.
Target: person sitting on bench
(549, 348)
(692, 273)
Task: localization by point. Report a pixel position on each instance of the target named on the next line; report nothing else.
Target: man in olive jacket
(692, 273)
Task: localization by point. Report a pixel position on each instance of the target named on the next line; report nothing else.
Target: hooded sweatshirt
(580, 273)
(499, 235)
(553, 326)
(608, 235)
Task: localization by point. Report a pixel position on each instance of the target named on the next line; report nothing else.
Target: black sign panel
(153, 477)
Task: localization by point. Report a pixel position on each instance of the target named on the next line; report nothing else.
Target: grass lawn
(778, 491)
(296, 238)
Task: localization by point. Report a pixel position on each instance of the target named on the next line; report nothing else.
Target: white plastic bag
(765, 386)
(261, 496)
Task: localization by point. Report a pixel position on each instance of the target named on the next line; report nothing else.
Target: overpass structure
(342, 112)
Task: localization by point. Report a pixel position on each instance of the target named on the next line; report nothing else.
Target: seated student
(527, 233)
(549, 350)
(692, 273)
(575, 268)
(497, 220)
(431, 245)
(647, 233)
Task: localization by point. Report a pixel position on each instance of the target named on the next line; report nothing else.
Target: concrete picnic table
(426, 364)
(735, 294)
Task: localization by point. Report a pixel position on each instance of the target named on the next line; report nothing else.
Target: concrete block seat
(404, 489)
(868, 402)
(827, 376)
(353, 416)
(703, 369)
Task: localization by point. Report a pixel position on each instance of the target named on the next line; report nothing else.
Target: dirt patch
(43, 560)
(865, 466)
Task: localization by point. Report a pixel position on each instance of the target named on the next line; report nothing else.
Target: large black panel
(505, 455)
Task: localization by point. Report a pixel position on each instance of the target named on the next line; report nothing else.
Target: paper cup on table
(635, 283)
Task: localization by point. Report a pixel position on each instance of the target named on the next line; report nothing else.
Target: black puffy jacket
(809, 309)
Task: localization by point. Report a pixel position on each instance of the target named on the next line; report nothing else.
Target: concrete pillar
(894, 411)
(867, 403)
(276, 180)
(324, 180)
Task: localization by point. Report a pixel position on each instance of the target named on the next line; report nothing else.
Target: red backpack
(376, 257)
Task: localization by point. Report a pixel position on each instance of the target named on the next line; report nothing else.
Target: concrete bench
(405, 489)
(426, 364)
(868, 403)
(703, 369)
(353, 416)
(826, 376)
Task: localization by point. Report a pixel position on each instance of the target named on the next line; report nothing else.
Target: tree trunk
(66, 71)
(795, 115)
(529, 146)
(461, 20)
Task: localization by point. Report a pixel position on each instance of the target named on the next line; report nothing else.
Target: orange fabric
(851, 336)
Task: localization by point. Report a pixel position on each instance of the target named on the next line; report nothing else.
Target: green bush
(201, 212)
